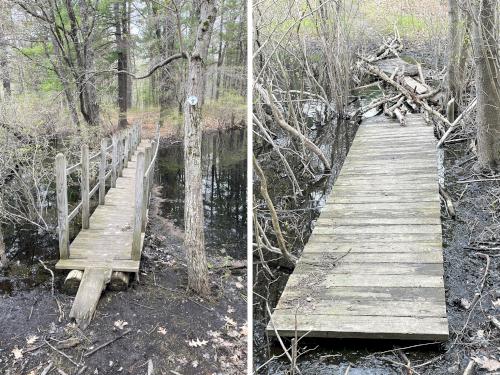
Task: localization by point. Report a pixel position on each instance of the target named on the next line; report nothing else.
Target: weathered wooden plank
(334, 308)
(382, 229)
(383, 207)
(372, 247)
(364, 294)
(368, 327)
(62, 206)
(325, 257)
(93, 282)
(377, 237)
(347, 197)
(374, 220)
(84, 187)
(124, 265)
(345, 265)
(321, 280)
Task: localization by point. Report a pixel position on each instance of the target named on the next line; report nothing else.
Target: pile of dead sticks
(406, 92)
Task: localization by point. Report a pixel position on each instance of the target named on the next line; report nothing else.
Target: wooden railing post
(135, 137)
(130, 146)
(154, 145)
(114, 161)
(126, 150)
(145, 188)
(84, 187)
(102, 172)
(120, 155)
(136, 239)
(62, 206)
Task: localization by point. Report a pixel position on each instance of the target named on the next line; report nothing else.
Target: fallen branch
(448, 201)
(51, 273)
(274, 216)
(456, 122)
(88, 354)
(290, 129)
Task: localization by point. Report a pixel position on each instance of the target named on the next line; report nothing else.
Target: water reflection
(224, 189)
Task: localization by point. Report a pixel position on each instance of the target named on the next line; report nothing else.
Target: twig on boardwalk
(88, 354)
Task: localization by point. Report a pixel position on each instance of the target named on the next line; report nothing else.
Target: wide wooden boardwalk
(373, 267)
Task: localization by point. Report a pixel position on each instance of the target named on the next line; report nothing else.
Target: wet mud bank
(156, 320)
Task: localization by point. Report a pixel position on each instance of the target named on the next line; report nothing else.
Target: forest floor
(474, 327)
(155, 320)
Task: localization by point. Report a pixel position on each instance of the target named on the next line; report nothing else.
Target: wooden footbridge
(109, 245)
(373, 267)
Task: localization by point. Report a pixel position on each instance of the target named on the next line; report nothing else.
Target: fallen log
(72, 282)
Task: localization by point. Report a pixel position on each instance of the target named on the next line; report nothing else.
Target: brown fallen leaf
(489, 364)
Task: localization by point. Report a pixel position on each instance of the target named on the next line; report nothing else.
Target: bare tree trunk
(3, 256)
(122, 52)
(458, 51)
(220, 54)
(129, 55)
(6, 78)
(486, 55)
(194, 239)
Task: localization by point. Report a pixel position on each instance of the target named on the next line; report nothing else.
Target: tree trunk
(486, 55)
(3, 256)
(6, 78)
(194, 239)
(122, 53)
(458, 51)
(130, 64)
(220, 54)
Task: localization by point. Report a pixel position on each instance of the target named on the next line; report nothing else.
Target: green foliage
(51, 83)
(409, 23)
(35, 51)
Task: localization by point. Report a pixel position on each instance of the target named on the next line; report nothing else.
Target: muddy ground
(155, 321)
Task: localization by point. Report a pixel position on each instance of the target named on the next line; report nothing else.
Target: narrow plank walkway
(107, 242)
(373, 267)
(109, 245)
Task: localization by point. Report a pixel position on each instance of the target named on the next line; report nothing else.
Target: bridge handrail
(123, 145)
(144, 181)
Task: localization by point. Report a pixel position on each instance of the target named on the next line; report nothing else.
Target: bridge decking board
(373, 266)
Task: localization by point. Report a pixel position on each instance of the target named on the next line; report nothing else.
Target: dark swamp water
(224, 184)
(463, 271)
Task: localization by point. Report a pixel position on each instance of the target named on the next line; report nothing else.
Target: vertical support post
(126, 150)
(131, 148)
(151, 176)
(84, 187)
(145, 188)
(450, 110)
(136, 239)
(120, 156)
(114, 161)
(62, 206)
(102, 172)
